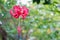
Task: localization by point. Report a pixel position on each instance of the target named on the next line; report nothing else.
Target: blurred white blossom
(26, 2)
(32, 38)
(2, 14)
(0, 22)
(31, 30)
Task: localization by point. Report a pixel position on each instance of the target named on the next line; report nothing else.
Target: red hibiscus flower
(25, 12)
(16, 11)
(15, 15)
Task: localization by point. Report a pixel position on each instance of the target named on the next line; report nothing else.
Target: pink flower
(15, 15)
(16, 11)
(25, 12)
(19, 30)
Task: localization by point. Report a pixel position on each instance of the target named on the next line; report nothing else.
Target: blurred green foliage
(44, 20)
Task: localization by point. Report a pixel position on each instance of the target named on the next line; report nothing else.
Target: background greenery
(43, 21)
